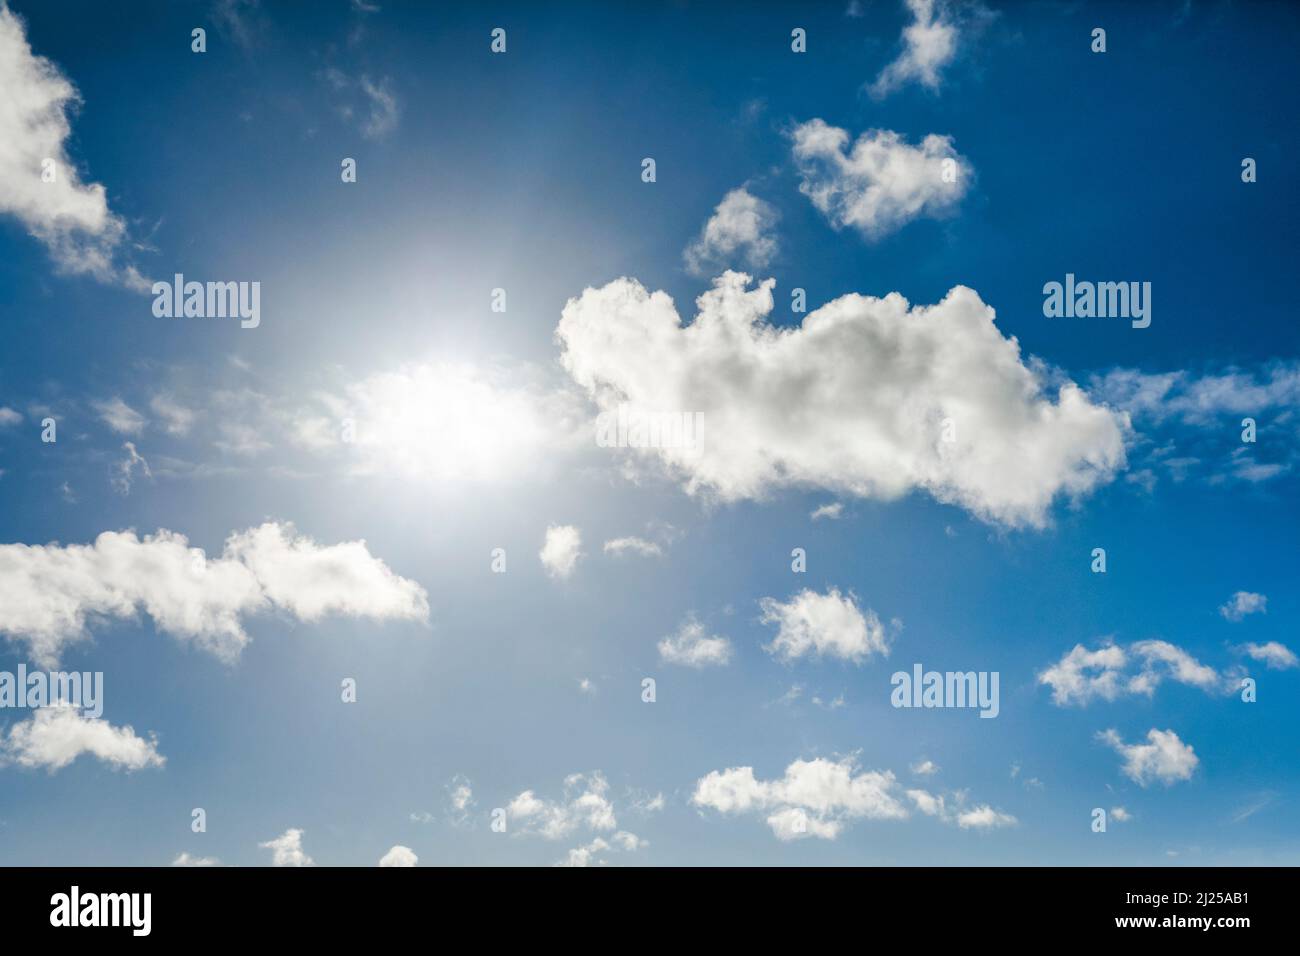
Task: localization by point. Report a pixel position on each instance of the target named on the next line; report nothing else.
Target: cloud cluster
(829, 624)
(1113, 671)
(585, 805)
(55, 736)
(882, 183)
(820, 797)
(42, 186)
(50, 593)
(870, 397)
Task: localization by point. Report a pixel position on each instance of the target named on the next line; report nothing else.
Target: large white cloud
(1112, 671)
(1164, 757)
(882, 182)
(70, 217)
(862, 399)
(55, 736)
(829, 624)
(49, 594)
(739, 233)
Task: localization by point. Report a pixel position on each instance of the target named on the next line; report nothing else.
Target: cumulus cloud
(50, 593)
(952, 810)
(829, 624)
(584, 805)
(399, 856)
(929, 44)
(814, 797)
(833, 511)
(69, 217)
(1112, 671)
(1242, 604)
(55, 736)
(855, 401)
(1273, 655)
(286, 849)
(1120, 815)
(692, 646)
(739, 233)
(882, 183)
(1163, 758)
(460, 800)
(9, 417)
(561, 550)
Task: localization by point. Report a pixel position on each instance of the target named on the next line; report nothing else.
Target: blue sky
(522, 171)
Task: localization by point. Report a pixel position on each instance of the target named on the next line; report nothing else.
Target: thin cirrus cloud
(53, 737)
(880, 183)
(71, 218)
(855, 401)
(1164, 758)
(821, 797)
(50, 594)
(824, 625)
(741, 232)
(1112, 671)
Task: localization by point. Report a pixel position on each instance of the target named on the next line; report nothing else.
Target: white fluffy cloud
(286, 849)
(69, 217)
(49, 593)
(119, 416)
(829, 624)
(1112, 671)
(1163, 757)
(186, 859)
(399, 856)
(739, 233)
(929, 44)
(1242, 604)
(692, 646)
(55, 736)
(633, 545)
(882, 183)
(561, 550)
(814, 797)
(855, 401)
(585, 805)
(1273, 655)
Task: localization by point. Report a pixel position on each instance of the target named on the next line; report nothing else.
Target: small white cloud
(1164, 757)
(561, 550)
(882, 183)
(692, 646)
(925, 768)
(832, 511)
(633, 545)
(829, 624)
(1274, 655)
(286, 849)
(119, 416)
(929, 44)
(55, 736)
(984, 818)
(124, 471)
(738, 234)
(185, 859)
(398, 856)
(584, 805)
(176, 418)
(1112, 671)
(1120, 815)
(1244, 603)
(9, 417)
